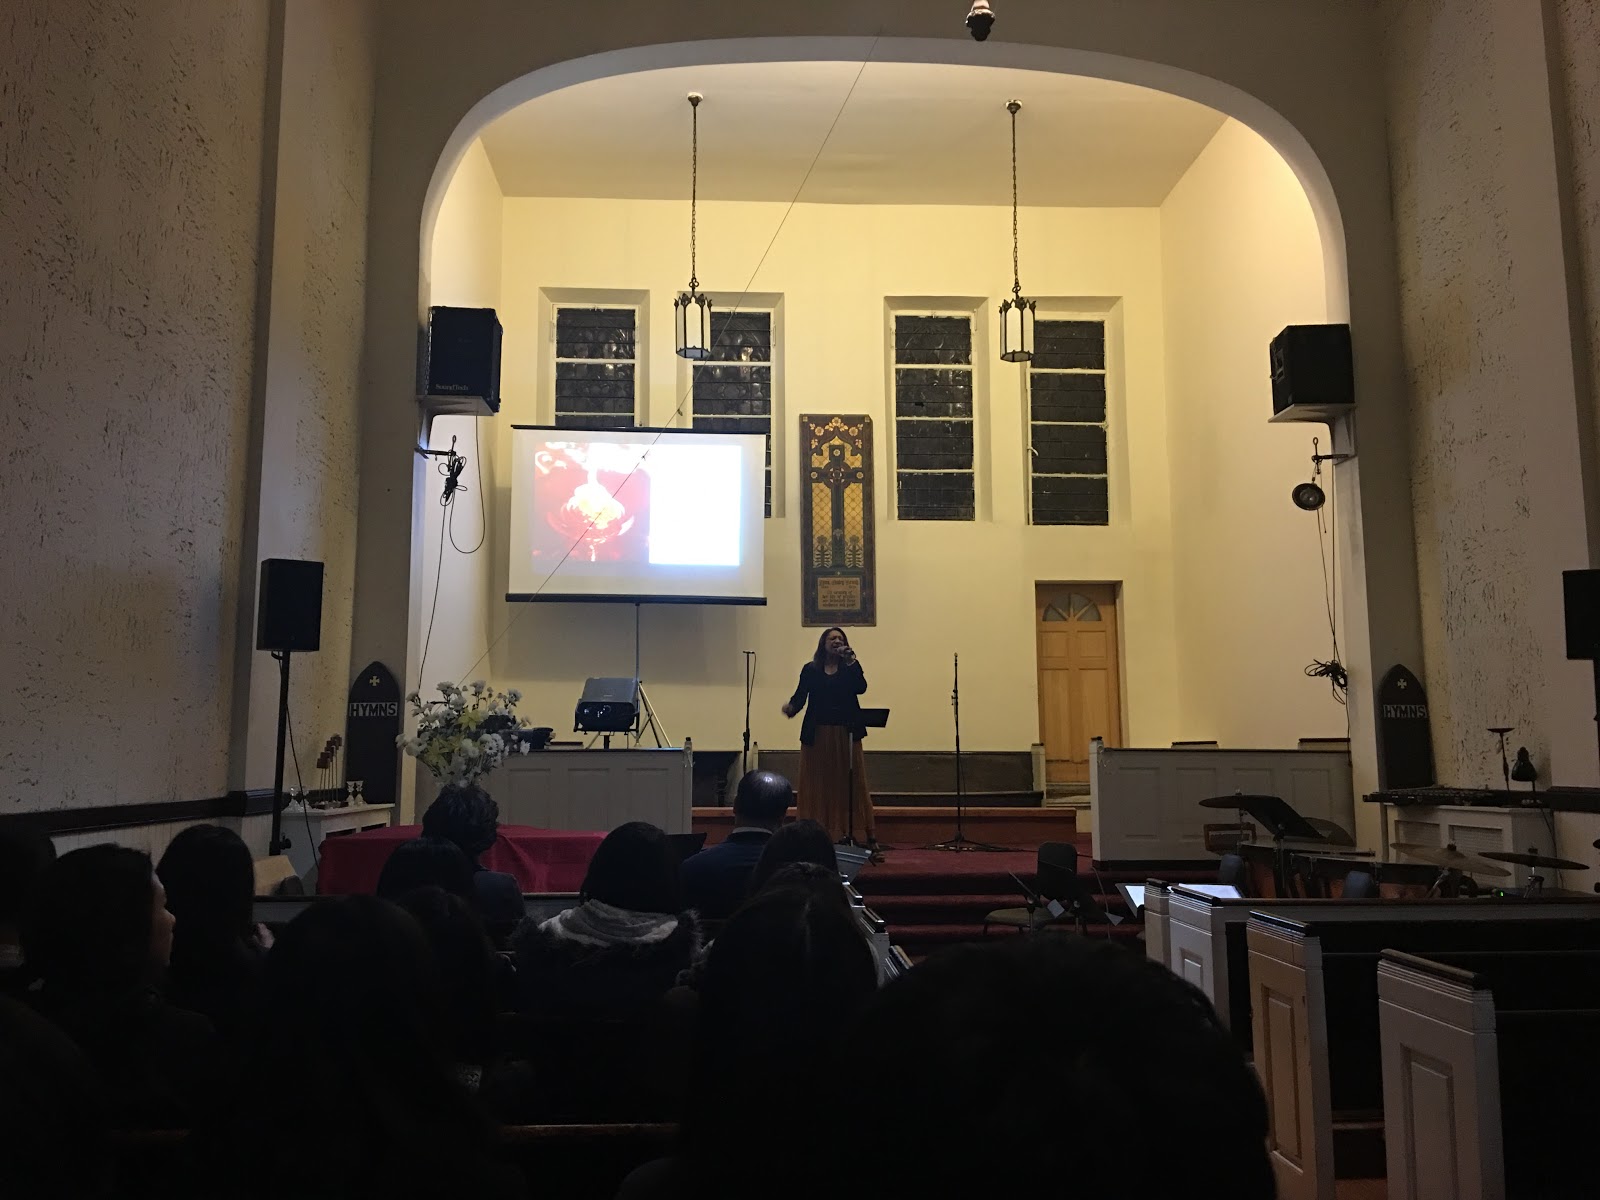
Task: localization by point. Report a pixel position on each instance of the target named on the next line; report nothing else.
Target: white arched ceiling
(1224, 98)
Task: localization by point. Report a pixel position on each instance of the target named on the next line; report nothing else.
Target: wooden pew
(1314, 1006)
(1206, 935)
(1488, 1070)
(1155, 921)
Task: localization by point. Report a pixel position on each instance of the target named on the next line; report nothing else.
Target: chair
(274, 876)
(1232, 870)
(1056, 877)
(1360, 885)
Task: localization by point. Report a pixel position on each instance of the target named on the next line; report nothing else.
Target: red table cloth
(541, 860)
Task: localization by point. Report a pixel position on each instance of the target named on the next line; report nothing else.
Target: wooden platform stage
(909, 825)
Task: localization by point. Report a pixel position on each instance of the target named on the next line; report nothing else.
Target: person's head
(830, 645)
(762, 799)
(24, 854)
(425, 862)
(1061, 1033)
(797, 842)
(634, 868)
(781, 986)
(818, 880)
(210, 881)
(466, 963)
(464, 814)
(98, 921)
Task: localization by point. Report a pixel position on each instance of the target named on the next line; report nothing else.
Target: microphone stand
(960, 841)
(749, 687)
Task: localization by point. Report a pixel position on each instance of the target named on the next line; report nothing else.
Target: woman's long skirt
(825, 784)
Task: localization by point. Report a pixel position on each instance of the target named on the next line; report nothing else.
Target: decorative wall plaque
(1405, 732)
(838, 550)
(371, 724)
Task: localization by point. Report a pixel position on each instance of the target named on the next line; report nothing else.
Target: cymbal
(1532, 859)
(1450, 859)
(1235, 801)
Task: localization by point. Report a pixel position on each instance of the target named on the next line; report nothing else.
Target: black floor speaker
(463, 355)
(289, 612)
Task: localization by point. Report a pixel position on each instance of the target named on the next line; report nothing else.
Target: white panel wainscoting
(154, 838)
(596, 789)
(1146, 803)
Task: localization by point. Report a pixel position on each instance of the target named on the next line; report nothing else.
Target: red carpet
(935, 898)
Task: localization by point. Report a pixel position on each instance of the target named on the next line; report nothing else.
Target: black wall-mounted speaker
(1580, 592)
(1312, 367)
(462, 355)
(289, 611)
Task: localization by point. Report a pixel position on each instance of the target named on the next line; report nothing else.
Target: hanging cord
(1333, 670)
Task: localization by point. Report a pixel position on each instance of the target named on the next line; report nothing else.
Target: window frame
(1105, 374)
(640, 315)
(957, 311)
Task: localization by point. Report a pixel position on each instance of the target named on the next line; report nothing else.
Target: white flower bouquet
(465, 733)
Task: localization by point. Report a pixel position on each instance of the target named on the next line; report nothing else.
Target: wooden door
(1079, 693)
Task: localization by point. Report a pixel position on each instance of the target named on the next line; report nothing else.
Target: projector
(607, 706)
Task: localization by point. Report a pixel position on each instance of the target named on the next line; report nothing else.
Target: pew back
(1486, 1059)
(1314, 1009)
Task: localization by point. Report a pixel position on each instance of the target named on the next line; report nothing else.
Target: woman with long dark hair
(833, 771)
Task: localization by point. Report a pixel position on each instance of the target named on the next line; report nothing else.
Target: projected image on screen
(636, 503)
(636, 514)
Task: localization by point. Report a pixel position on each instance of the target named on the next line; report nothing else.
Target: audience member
(782, 985)
(715, 880)
(51, 1113)
(465, 814)
(24, 855)
(622, 947)
(799, 842)
(352, 1030)
(98, 935)
(469, 973)
(217, 947)
(427, 862)
(1046, 1055)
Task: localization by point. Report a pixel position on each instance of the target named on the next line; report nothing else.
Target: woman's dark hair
(802, 841)
(210, 881)
(782, 984)
(426, 862)
(635, 868)
(464, 814)
(820, 658)
(90, 921)
(467, 969)
(354, 1015)
(24, 855)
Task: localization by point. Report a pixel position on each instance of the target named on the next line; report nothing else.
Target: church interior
(1187, 412)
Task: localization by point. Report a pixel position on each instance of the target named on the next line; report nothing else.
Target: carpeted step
(921, 940)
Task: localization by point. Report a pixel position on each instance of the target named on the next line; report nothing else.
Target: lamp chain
(694, 191)
(1016, 268)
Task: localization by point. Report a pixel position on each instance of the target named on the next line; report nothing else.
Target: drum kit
(1457, 867)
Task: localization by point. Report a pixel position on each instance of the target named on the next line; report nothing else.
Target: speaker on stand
(288, 618)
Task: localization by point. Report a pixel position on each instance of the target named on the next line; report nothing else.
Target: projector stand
(649, 720)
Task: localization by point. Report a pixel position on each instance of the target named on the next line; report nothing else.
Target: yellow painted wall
(836, 273)
(1240, 261)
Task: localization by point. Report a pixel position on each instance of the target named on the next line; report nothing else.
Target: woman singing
(830, 741)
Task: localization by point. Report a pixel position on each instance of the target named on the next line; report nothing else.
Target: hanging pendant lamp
(692, 310)
(1016, 314)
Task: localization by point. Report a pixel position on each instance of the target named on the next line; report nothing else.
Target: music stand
(1271, 812)
(871, 718)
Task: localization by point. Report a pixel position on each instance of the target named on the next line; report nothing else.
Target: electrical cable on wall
(1332, 669)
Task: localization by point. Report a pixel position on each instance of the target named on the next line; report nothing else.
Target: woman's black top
(829, 699)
